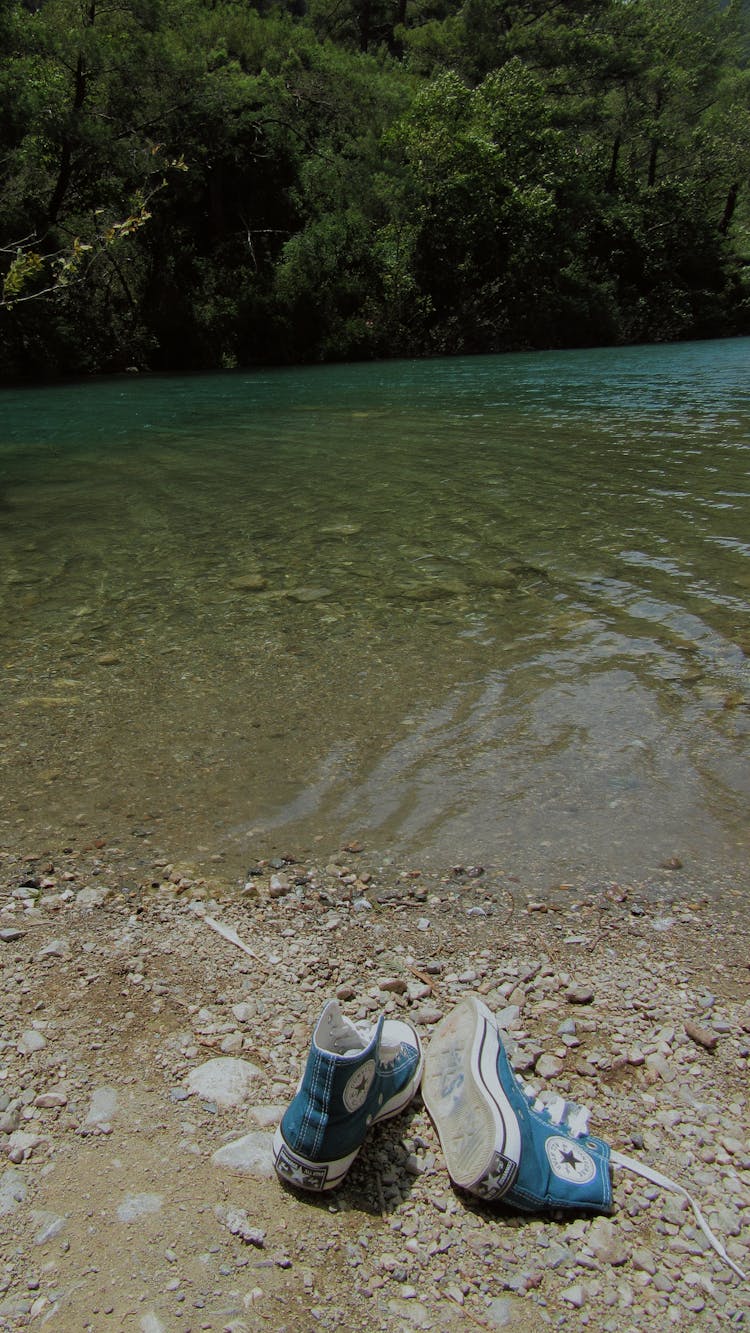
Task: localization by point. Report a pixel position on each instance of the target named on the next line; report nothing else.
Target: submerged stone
(249, 583)
(308, 594)
(433, 590)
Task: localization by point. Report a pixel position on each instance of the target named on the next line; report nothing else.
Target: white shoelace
(343, 1037)
(574, 1118)
(664, 1182)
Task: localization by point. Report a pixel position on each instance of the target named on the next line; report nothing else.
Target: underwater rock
(433, 591)
(340, 529)
(308, 594)
(249, 583)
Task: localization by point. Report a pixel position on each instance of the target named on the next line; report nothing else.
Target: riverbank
(125, 1205)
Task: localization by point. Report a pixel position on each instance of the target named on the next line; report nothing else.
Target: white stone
(50, 1225)
(50, 1101)
(232, 1043)
(90, 897)
(504, 1312)
(238, 1223)
(102, 1109)
(225, 1080)
(508, 1017)
(150, 1323)
(251, 1155)
(56, 949)
(265, 1116)
(243, 1012)
(426, 1014)
(23, 1143)
(12, 1191)
(31, 1041)
(410, 1312)
(643, 1260)
(659, 1065)
(606, 1241)
(136, 1206)
(548, 1066)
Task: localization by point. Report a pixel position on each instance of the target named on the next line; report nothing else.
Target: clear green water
(505, 616)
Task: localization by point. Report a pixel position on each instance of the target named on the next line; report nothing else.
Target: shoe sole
(478, 1128)
(304, 1174)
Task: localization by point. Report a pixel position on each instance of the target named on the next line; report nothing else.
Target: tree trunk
(612, 173)
(395, 46)
(364, 24)
(654, 153)
(66, 152)
(729, 208)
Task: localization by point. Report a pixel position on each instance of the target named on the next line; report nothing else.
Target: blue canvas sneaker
(501, 1141)
(356, 1074)
(498, 1144)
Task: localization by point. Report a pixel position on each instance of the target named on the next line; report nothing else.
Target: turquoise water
(486, 609)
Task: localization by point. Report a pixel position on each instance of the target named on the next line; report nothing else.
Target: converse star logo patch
(357, 1087)
(498, 1178)
(308, 1177)
(569, 1161)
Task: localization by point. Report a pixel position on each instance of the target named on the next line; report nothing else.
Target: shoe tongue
(338, 1035)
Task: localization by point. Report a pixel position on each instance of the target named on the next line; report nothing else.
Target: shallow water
(504, 614)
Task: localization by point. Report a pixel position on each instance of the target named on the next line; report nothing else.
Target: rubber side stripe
(506, 1111)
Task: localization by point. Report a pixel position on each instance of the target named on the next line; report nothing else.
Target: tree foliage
(197, 183)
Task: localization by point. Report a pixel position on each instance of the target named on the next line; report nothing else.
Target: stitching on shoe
(309, 1106)
(329, 1070)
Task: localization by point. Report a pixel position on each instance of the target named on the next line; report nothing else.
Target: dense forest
(205, 183)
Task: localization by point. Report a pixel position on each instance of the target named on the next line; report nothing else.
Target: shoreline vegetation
(199, 185)
(137, 1192)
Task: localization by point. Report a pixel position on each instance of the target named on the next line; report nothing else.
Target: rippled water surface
(487, 609)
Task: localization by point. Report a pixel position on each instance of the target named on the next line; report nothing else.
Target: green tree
(488, 207)
(674, 132)
(329, 283)
(189, 183)
(83, 162)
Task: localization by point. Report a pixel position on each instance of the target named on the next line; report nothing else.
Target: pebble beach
(154, 1024)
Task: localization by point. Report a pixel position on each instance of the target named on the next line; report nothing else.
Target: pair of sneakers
(499, 1140)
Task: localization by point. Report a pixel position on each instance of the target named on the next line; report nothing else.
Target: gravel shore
(136, 1186)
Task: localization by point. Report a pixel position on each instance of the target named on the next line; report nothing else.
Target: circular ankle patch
(569, 1161)
(357, 1087)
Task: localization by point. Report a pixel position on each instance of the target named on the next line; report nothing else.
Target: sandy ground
(116, 1213)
